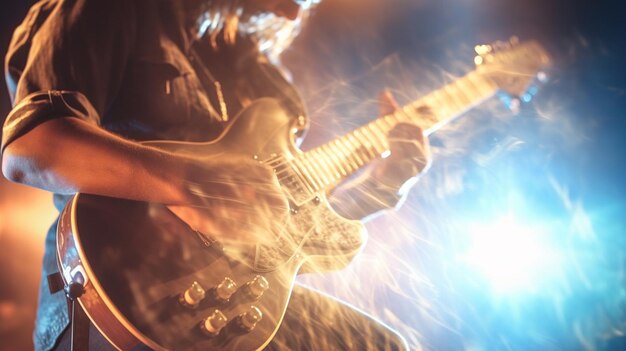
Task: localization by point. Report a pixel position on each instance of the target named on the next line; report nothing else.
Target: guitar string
(339, 156)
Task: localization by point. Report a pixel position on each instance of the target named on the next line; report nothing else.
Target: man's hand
(393, 176)
(233, 197)
(387, 180)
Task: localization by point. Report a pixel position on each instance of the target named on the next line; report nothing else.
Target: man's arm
(69, 155)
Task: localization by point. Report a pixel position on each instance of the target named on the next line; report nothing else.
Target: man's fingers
(405, 130)
(387, 104)
(403, 135)
(409, 148)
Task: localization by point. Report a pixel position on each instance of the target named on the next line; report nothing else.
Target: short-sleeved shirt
(129, 67)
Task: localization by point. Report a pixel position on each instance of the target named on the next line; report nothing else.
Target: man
(89, 79)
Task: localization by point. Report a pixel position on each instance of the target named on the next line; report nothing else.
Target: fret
(331, 157)
(452, 109)
(325, 169)
(461, 94)
(315, 169)
(468, 90)
(318, 167)
(336, 161)
(369, 147)
(372, 138)
(345, 162)
(380, 138)
(453, 102)
(433, 102)
(386, 122)
(410, 112)
(344, 155)
(456, 92)
(471, 90)
(341, 156)
(480, 88)
(443, 103)
(348, 154)
(392, 119)
(401, 116)
(378, 128)
(365, 145)
(384, 128)
(485, 88)
(432, 118)
(328, 169)
(365, 154)
(355, 147)
(469, 87)
(476, 85)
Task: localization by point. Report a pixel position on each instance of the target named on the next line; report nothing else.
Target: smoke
(489, 164)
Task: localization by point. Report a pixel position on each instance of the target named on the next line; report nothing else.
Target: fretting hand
(393, 176)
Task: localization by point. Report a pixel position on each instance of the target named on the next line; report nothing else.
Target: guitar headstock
(515, 67)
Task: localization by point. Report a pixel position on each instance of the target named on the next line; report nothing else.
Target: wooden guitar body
(136, 259)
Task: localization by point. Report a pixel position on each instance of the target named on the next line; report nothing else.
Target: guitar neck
(326, 165)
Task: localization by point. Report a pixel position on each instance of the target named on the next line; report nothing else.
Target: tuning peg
(484, 54)
(483, 50)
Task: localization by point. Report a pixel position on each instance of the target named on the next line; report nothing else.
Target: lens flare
(513, 257)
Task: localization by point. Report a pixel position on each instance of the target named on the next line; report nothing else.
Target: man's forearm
(68, 155)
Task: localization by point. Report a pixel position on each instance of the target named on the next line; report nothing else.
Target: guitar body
(140, 263)
(137, 259)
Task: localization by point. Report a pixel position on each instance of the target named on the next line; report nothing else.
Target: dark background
(568, 172)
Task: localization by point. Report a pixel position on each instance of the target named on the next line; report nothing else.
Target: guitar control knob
(248, 320)
(257, 286)
(225, 289)
(193, 295)
(212, 324)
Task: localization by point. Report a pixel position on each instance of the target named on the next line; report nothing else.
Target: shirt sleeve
(67, 59)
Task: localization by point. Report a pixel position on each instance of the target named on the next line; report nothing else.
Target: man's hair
(273, 34)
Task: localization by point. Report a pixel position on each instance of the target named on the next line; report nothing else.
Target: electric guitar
(153, 281)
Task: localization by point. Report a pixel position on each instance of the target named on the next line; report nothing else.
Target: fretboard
(326, 165)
